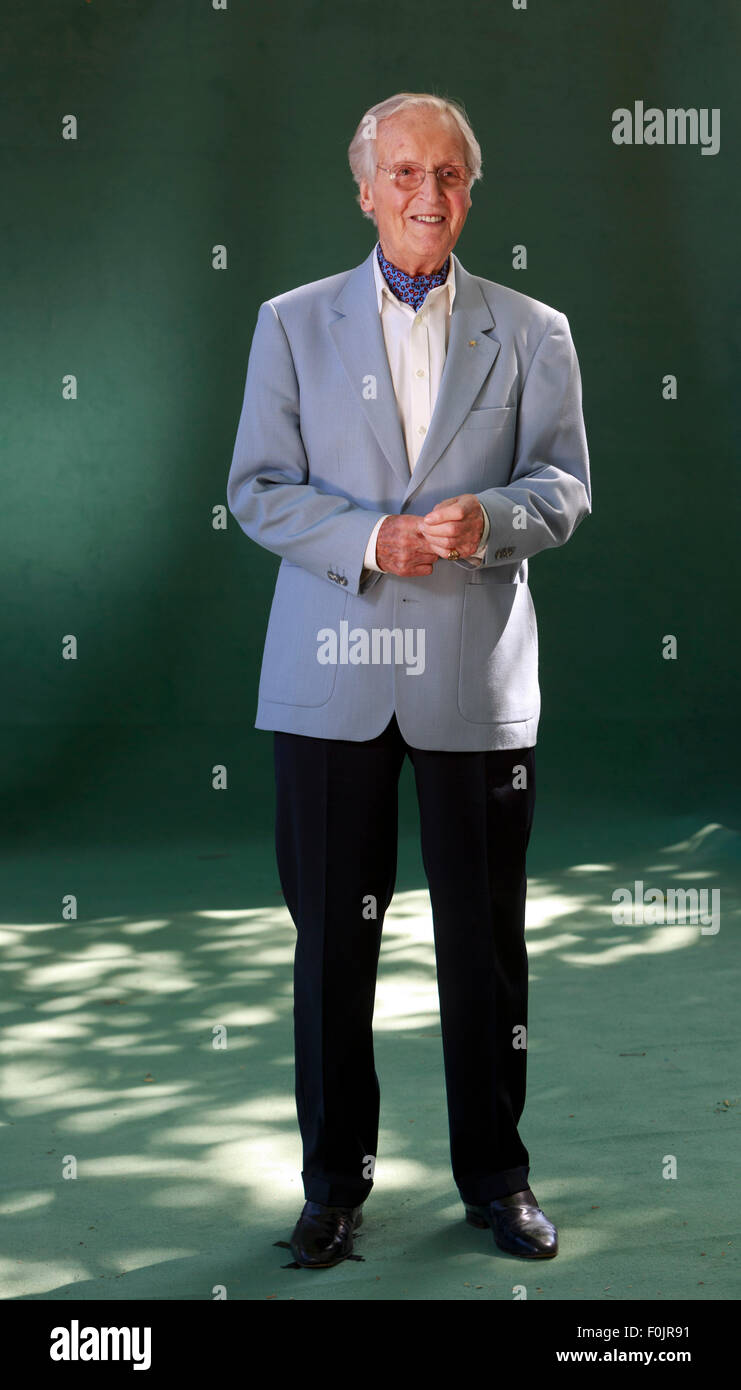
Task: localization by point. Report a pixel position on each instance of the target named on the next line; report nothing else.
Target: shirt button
(419, 372)
(421, 429)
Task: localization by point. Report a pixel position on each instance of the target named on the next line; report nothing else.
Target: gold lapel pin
(472, 342)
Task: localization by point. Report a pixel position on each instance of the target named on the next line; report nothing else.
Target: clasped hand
(412, 545)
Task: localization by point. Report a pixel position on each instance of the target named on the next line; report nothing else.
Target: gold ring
(453, 555)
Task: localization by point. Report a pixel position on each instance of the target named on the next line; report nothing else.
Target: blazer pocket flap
(491, 417)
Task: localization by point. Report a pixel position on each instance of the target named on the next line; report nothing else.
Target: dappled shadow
(157, 1054)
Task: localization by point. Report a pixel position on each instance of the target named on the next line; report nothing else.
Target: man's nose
(430, 174)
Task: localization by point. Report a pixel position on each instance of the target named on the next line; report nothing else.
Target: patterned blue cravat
(410, 289)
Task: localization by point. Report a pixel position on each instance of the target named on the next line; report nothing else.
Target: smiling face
(428, 137)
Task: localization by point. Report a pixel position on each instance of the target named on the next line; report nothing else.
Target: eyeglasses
(411, 176)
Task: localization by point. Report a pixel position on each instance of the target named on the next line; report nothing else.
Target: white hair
(362, 148)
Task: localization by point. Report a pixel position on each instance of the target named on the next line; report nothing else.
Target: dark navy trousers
(336, 843)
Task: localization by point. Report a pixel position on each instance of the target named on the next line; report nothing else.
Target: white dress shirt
(416, 343)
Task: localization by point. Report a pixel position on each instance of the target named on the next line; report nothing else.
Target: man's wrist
(369, 560)
(480, 550)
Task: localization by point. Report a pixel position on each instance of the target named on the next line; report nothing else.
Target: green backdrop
(200, 127)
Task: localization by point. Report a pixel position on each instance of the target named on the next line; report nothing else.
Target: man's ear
(365, 197)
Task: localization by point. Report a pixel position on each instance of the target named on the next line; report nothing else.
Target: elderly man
(410, 435)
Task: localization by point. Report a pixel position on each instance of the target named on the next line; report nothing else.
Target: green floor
(188, 1157)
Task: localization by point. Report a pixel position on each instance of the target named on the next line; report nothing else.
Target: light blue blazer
(320, 457)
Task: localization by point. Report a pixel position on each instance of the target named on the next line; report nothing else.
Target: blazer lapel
(358, 337)
(471, 354)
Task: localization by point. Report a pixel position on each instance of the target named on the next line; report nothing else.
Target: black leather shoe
(519, 1226)
(323, 1235)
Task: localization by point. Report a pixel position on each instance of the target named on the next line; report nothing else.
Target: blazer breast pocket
(491, 417)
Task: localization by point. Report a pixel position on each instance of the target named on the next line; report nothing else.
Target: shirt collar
(382, 287)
